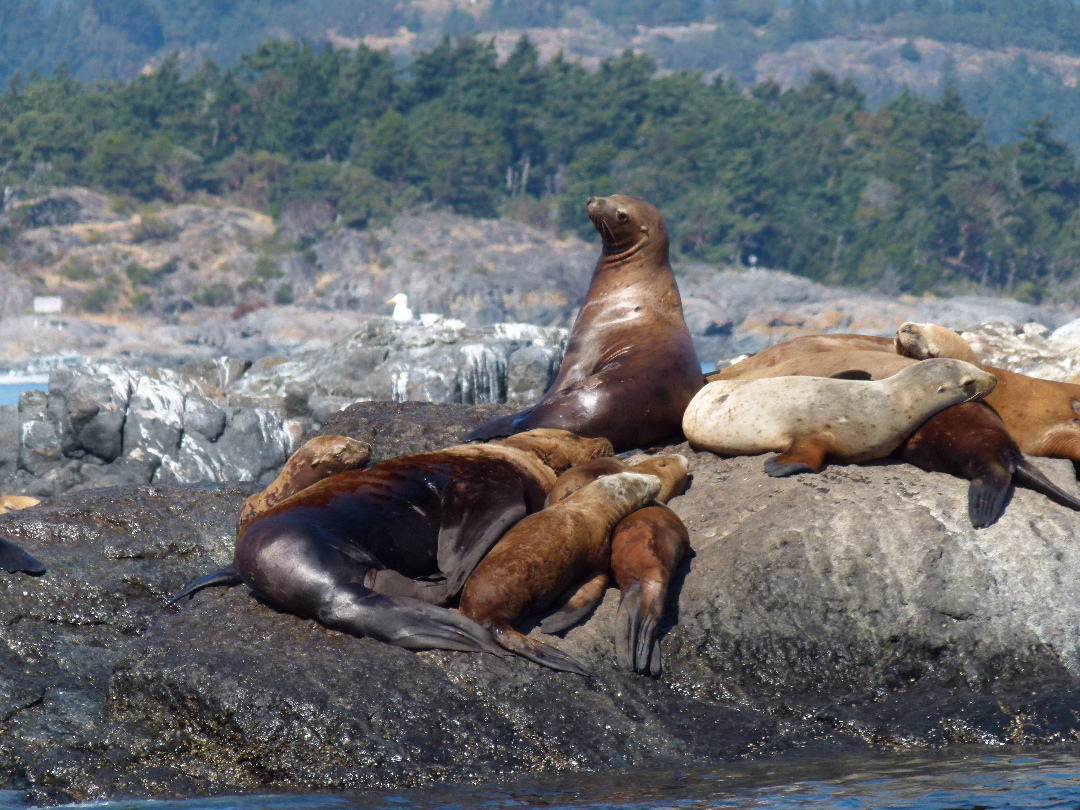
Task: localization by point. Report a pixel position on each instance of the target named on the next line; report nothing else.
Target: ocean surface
(955, 779)
(9, 392)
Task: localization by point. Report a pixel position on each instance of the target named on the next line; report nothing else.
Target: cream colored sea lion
(15, 503)
(1042, 416)
(807, 419)
(967, 440)
(319, 458)
(363, 551)
(544, 555)
(797, 347)
(630, 367)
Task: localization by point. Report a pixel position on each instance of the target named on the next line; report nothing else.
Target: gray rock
(530, 372)
(40, 435)
(203, 416)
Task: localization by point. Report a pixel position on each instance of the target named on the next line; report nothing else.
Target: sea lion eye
(621, 216)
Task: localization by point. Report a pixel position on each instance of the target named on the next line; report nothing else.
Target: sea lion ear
(852, 374)
(645, 229)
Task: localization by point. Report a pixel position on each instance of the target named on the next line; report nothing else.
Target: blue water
(9, 392)
(934, 780)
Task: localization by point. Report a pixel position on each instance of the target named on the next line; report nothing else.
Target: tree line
(908, 198)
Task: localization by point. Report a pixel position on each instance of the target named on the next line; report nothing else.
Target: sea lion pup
(630, 367)
(371, 552)
(319, 458)
(967, 440)
(546, 553)
(1043, 416)
(797, 347)
(807, 419)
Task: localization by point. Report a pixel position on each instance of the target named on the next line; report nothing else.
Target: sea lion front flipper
(390, 583)
(986, 500)
(580, 601)
(13, 558)
(403, 622)
(805, 455)
(226, 576)
(536, 651)
(467, 534)
(1028, 474)
(499, 428)
(852, 374)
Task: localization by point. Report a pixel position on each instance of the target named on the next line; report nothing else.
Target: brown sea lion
(371, 552)
(967, 440)
(671, 470)
(809, 419)
(544, 555)
(797, 347)
(319, 458)
(15, 503)
(630, 367)
(646, 547)
(1042, 416)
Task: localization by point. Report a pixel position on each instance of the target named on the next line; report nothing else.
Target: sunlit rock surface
(856, 606)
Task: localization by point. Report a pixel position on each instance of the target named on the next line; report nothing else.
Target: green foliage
(218, 294)
(283, 295)
(152, 229)
(100, 297)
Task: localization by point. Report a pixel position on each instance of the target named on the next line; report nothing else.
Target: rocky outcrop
(856, 606)
(225, 419)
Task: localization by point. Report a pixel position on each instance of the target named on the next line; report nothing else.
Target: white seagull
(401, 311)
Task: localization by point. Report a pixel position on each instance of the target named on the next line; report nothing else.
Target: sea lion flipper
(499, 428)
(579, 602)
(805, 455)
(13, 558)
(852, 374)
(1028, 474)
(390, 583)
(226, 576)
(986, 501)
(637, 627)
(464, 542)
(536, 651)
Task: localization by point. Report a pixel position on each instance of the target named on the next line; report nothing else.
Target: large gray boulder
(856, 606)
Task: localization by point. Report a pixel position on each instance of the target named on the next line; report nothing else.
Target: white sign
(47, 304)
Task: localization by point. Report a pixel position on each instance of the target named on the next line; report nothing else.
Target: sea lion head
(923, 341)
(558, 449)
(671, 470)
(946, 378)
(627, 224)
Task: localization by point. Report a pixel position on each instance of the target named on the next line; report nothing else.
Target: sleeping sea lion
(319, 458)
(544, 555)
(372, 552)
(1042, 416)
(797, 347)
(807, 419)
(967, 440)
(630, 367)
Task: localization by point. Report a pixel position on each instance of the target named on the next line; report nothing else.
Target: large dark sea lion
(546, 554)
(630, 367)
(373, 552)
(967, 440)
(809, 419)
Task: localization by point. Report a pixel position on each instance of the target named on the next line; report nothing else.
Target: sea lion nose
(590, 201)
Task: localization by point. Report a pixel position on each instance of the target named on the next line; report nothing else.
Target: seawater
(9, 392)
(934, 780)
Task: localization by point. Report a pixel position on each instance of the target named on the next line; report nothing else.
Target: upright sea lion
(807, 419)
(630, 367)
(319, 458)
(1042, 416)
(544, 555)
(797, 347)
(646, 547)
(967, 440)
(336, 549)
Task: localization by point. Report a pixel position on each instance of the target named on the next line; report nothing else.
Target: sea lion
(646, 547)
(15, 503)
(641, 562)
(1043, 416)
(372, 552)
(809, 419)
(545, 554)
(967, 440)
(797, 347)
(319, 458)
(630, 367)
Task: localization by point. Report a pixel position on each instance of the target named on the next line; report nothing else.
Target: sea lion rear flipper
(580, 601)
(986, 501)
(226, 576)
(499, 428)
(467, 534)
(1028, 474)
(403, 622)
(805, 455)
(13, 558)
(637, 627)
(536, 651)
(390, 583)
(852, 374)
